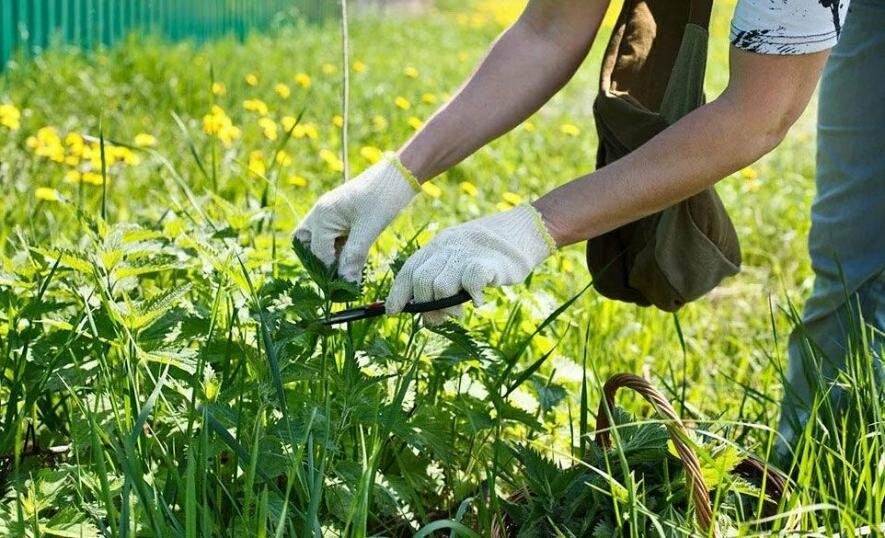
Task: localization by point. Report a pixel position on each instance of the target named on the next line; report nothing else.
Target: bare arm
(765, 96)
(528, 64)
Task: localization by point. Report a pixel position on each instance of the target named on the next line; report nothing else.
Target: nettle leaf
(475, 412)
(463, 345)
(149, 310)
(142, 266)
(72, 259)
(604, 529)
(545, 478)
(642, 442)
(183, 359)
(380, 349)
(549, 394)
(507, 411)
(342, 291)
(334, 288)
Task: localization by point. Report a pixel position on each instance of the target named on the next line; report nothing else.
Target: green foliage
(159, 329)
(591, 496)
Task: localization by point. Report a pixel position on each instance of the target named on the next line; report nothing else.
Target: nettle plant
(638, 487)
(174, 378)
(187, 387)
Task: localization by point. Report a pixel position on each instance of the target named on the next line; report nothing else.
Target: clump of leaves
(638, 483)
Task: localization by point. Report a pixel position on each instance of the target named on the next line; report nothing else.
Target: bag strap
(644, 46)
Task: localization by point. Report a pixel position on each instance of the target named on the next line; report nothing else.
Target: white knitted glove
(358, 211)
(498, 250)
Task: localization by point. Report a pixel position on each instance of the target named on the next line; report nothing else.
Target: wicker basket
(752, 469)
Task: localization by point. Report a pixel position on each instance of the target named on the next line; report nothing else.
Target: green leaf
(333, 287)
(549, 394)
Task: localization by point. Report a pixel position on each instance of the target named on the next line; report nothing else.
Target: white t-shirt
(787, 26)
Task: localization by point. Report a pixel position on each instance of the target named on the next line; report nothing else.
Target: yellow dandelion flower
(268, 127)
(463, 57)
(567, 266)
(305, 130)
(297, 180)
(47, 143)
(126, 155)
(337, 121)
(75, 141)
(332, 161)
(72, 160)
(288, 123)
(371, 154)
(303, 80)
(211, 124)
(415, 123)
(47, 194)
(428, 98)
(512, 198)
(283, 158)
(252, 79)
(256, 163)
(214, 120)
(431, 190)
(73, 176)
(218, 123)
(329, 69)
(359, 66)
(144, 140)
(228, 134)
(402, 102)
(48, 135)
(410, 72)
(379, 123)
(529, 126)
(503, 206)
(569, 129)
(10, 117)
(749, 173)
(256, 105)
(219, 89)
(92, 178)
(282, 90)
(469, 188)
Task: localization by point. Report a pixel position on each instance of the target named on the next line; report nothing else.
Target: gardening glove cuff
(498, 250)
(357, 211)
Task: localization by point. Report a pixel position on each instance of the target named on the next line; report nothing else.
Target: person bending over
(778, 52)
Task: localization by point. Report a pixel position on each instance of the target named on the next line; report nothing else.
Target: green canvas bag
(652, 75)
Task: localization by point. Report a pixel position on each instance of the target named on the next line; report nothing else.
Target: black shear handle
(418, 308)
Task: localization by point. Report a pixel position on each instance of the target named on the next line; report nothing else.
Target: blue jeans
(847, 238)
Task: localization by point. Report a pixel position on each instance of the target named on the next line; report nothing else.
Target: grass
(155, 320)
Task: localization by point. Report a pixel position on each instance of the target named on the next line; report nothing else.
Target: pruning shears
(377, 309)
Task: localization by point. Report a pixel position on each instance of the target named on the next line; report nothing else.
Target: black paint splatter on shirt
(833, 6)
(787, 26)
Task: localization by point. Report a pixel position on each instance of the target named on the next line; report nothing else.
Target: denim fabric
(818, 351)
(847, 238)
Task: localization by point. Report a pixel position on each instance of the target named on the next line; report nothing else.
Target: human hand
(358, 211)
(498, 250)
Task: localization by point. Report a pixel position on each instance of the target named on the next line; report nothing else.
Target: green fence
(28, 26)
